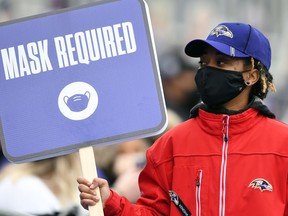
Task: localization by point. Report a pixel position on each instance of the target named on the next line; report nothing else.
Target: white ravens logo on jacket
(261, 184)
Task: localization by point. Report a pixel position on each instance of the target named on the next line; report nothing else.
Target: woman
(231, 156)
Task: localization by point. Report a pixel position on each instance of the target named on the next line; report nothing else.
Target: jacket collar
(238, 123)
(255, 103)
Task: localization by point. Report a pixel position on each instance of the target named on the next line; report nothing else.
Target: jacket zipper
(198, 192)
(222, 198)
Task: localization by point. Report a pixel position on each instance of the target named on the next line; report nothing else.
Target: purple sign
(78, 77)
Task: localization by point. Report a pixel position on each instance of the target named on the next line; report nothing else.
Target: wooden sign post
(89, 171)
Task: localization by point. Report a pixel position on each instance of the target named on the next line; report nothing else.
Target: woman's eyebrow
(219, 54)
(204, 53)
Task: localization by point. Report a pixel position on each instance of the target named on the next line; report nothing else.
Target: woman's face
(213, 58)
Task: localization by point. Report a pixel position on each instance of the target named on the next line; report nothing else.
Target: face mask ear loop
(248, 76)
(252, 63)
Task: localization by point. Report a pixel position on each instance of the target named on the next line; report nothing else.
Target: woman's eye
(220, 62)
(202, 64)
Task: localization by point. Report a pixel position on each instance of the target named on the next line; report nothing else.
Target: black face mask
(217, 86)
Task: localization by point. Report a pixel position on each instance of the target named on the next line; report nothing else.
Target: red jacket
(217, 165)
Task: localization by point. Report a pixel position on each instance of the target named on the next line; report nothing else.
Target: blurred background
(174, 23)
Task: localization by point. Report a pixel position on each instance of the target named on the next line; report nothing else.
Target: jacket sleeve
(286, 207)
(154, 200)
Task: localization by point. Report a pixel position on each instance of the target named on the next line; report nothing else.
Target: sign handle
(89, 171)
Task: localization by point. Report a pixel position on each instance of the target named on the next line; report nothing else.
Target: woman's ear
(251, 77)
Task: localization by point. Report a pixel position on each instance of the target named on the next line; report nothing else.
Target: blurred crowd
(48, 187)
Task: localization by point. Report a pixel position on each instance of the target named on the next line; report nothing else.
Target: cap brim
(196, 47)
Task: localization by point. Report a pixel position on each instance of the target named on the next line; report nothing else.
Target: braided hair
(265, 83)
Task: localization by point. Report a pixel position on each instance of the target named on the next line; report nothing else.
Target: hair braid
(265, 83)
